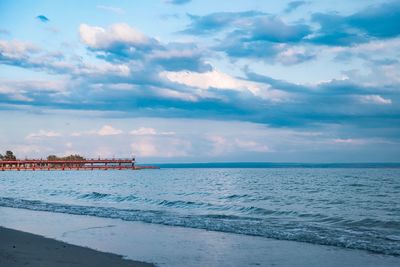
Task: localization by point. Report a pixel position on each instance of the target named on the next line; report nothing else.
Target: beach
(19, 248)
(174, 246)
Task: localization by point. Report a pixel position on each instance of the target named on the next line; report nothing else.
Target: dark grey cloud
(374, 22)
(129, 82)
(42, 18)
(336, 101)
(215, 22)
(271, 45)
(274, 29)
(144, 93)
(253, 25)
(254, 34)
(135, 46)
(294, 5)
(178, 57)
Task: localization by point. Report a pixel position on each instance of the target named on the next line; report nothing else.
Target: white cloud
(109, 130)
(211, 79)
(249, 145)
(219, 80)
(293, 55)
(100, 38)
(103, 131)
(177, 95)
(375, 99)
(145, 148)
(43, 133)
(16, 49)
(349, 141)
(148, 131)
(152, 147)
(223, 145)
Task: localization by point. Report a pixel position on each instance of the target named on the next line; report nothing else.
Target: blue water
(344, 207)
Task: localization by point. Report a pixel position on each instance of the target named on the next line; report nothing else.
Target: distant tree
(52, 157)
(1, 157)
(9, 155)
(74, 157)
(69, 158)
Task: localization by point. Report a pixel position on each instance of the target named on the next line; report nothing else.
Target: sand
(168, 246)
(24, 249)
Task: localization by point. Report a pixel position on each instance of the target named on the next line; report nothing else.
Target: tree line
(70, 157)
(9, 155)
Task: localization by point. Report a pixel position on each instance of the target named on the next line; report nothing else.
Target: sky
(201, 81)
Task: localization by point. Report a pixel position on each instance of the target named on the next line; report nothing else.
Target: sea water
(344, 207)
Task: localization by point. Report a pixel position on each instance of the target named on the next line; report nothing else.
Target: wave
(94, 195)
(356, 235)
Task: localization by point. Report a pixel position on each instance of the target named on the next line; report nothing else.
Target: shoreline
(18, 248)
(180, 246)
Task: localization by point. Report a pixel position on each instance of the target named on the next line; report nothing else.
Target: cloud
(177, 2)
(175, 57)
(266, 51)
(292, 6)
(215, 22)
(109, 130)
(148, 131)
(115, 10)
(28, 91)
(16, 49)
(129, 74)
(147, 147)
(42, 18)
(375, 99)
(43, 133)
(206, 80)
(105, 130)
(249, 25)
(274, 29)
(268, 39)
(221, 145)
(255, 35)
(122, 43)
(218, 80)
(374, 22)
(31, 56)
(117, 36)
(249, 145)
(349, 141)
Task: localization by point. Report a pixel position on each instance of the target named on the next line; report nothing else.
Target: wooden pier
(65, 165)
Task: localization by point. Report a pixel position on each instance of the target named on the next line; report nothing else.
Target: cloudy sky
(200, 81)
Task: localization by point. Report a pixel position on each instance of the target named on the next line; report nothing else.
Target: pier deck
(65, 165)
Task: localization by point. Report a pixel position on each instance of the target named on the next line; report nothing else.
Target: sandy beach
(24, 249)
(164, 245)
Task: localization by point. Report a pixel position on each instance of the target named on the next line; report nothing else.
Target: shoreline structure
(66, 165)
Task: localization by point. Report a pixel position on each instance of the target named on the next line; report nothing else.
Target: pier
(65, 165)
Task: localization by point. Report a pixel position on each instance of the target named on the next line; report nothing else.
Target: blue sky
(198, 81)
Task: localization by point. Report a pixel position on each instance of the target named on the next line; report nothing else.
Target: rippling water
(354, 208)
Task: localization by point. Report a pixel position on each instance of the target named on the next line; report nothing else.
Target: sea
(350, 206)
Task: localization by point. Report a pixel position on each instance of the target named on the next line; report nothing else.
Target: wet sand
(181, 247)
(24, 249)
